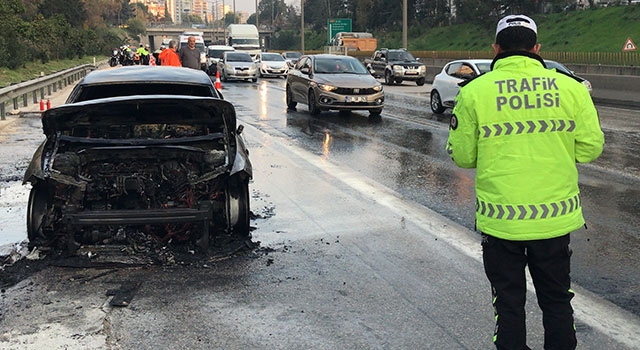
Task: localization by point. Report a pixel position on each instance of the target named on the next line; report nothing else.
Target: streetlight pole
(404, 24)
(257, 24)
(302, 24)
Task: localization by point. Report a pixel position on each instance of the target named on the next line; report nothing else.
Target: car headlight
(377, 87)
(423, 69)
(326, 87)
(587, 84)
(398, 68)
(265, 66)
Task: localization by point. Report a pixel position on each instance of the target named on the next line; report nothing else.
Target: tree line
(45, 30)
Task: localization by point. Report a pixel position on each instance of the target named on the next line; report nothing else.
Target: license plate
(411, 73)
(355, 99)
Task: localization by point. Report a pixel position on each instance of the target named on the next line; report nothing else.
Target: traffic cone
(218, 84)
(41, 105)
(48, 104)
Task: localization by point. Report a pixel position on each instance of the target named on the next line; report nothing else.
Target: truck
(244, 38)
(396, 66)
(355, 41)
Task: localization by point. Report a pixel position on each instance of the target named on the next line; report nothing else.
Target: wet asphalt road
(350, 255)
(405, 152)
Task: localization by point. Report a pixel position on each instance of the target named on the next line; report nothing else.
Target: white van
(244, 38)
(184, 37)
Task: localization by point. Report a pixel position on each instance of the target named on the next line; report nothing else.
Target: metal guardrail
(35, 90)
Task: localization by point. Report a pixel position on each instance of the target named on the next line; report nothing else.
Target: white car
(272, 65)
(561, 68)
(445, 84)
(236, 65)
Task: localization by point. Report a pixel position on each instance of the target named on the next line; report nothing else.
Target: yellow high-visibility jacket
(524, 128)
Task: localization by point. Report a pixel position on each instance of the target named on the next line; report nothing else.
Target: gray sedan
(333, 82)
(236, 65)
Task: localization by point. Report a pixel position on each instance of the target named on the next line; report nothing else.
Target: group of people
(128, 55)
(188, 56)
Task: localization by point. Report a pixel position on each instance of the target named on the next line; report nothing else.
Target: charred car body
(169, 167)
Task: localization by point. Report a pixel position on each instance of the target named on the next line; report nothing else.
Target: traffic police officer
(143, 52)
(524, 128)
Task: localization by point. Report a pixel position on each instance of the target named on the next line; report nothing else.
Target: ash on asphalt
(21, 264)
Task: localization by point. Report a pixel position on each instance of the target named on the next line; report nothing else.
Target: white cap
(516, 21)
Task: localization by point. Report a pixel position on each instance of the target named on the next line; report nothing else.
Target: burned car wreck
(171, 167)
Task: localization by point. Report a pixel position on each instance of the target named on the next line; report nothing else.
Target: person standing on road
(169, 57)
(144, 55)
(189, 55)
(524, 128)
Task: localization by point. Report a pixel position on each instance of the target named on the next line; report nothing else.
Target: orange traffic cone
(41, 105)
(218, 84)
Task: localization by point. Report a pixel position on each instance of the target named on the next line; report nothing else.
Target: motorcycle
(128, 58)
(115, 57)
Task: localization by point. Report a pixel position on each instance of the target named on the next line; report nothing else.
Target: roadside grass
(603, 29)
(33, 70)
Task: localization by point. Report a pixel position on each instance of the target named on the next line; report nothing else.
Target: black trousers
(549, 266)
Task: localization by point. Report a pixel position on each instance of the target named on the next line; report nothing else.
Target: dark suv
(396, 66)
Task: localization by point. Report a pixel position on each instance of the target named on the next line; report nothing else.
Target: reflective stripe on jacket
(524, 128)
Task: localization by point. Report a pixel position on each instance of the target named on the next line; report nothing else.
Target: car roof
(472, 60)
(270, 54)
(236, 53)
(156, 74)
(328, 55)
(221, 47)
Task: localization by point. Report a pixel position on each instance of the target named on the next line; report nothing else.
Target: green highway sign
(337, 25)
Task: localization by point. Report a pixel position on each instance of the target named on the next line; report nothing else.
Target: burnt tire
(311, 102)
(291, 104)
(37, 208)
(238, 209)
(436, 102)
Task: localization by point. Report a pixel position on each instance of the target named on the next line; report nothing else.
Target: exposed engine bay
(105, 182)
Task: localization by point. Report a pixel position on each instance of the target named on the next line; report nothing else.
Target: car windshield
(292, 55)
(339, 66)
(242, 41)
(271, 57)
(92, 92)
(216, 53)
(239, 57)
(483, 67)
(557, 66)
(401, 56)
